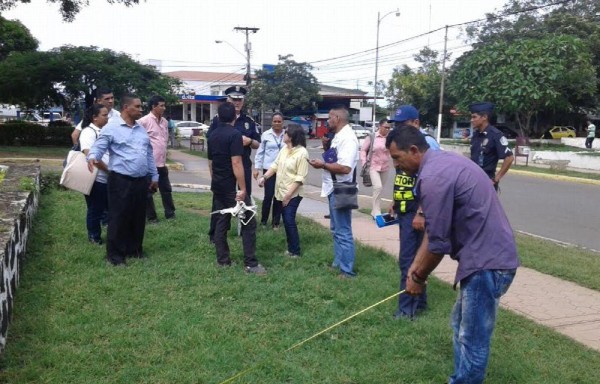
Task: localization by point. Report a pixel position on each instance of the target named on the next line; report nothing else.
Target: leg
(222, 223)
(410, 240)
(164, 186)
(213, 220)
(277, 211)
(118, 224)
(249, 240)
(332, 228)
(267, 201)
(291, 228)
(473, 322)
(137, 216)
(343, 241)
(377, 179)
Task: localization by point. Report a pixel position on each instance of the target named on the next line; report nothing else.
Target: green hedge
(29, 134)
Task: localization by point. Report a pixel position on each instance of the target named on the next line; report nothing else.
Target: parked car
(360, 131)
(557, 132)
(185, 128)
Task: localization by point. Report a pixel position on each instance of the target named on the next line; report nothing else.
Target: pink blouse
(380, 161)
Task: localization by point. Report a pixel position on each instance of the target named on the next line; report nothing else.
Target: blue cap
(482, 107)
(404, 113)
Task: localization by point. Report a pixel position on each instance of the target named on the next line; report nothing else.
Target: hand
(261, 182)
(240, 195)
(246, 141)
(255, 174)
(418, 223)
(91, 164)
(286, 200)
(153, 186)
(412, 287)
(316, 163)
(391, 211)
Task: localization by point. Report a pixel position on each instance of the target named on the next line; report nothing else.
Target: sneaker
(276, 227)
(345, 276)
(258, 270)
(95, 241)
(403, 316)
(291, 255)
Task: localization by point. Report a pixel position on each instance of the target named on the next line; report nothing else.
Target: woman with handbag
(375, 161)
(271, 142)
(291, 167)
(95, 118)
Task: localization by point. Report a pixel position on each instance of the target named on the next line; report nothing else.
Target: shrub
(17, 132)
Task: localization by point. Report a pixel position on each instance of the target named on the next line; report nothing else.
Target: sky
(181, 34)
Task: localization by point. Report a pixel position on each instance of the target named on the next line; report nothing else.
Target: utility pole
(397, 12)
(439, 127)
(248, 49)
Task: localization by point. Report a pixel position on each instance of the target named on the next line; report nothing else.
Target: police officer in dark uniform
(250, 137)
(488, 144)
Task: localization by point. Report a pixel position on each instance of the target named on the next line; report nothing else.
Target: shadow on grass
(176, 318)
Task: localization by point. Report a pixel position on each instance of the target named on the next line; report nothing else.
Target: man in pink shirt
(157, 127)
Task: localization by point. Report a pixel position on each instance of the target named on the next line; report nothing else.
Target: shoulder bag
(345, 193)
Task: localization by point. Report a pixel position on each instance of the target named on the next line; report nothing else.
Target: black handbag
(345, 193)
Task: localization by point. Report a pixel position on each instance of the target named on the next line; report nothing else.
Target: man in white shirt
(105, 97)
(345, 145)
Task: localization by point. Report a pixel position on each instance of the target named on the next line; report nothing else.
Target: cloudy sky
(337, 37)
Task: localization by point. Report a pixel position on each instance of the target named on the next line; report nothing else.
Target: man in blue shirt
(410, 215)
(488, 144)
(463, 218)
(131, 162)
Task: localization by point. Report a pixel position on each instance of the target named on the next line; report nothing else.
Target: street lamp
(397, 12)
(234, 48)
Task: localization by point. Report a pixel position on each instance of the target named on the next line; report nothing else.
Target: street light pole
(248, 49)
(397, 11)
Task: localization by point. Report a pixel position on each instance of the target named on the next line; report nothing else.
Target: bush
(17, 132)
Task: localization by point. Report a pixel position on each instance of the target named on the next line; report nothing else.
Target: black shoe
(95, 241)
(153, 221)
(327, 216)
(170, 217)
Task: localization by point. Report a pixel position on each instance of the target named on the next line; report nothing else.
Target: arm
(238, 171)
(258, 158)
(75, 136)
(418, 222)
(425, 262)
(364, 150)
(330, 167)
(99, 164)
(506, 164)
(301, 173)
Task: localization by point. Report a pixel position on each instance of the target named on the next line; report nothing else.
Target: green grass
(565, 262)
(203, 154)
(34, 152)
(176, 318)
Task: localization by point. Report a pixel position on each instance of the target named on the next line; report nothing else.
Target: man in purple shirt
(463, 218)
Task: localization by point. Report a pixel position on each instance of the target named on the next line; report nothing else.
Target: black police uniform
(487, 148)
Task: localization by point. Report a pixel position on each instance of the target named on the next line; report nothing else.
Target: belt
(116, 174)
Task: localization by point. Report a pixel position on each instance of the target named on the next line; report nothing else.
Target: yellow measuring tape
(240, 374)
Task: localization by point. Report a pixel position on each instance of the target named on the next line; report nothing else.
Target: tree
(525, 76)
(65, 75)
(15, 37)
(419, 87)
(289, 88)
(68, 8)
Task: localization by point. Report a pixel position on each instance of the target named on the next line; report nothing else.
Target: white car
(360, 131)
(185, 128)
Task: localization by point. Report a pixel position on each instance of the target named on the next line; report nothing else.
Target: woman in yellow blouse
(291, 167)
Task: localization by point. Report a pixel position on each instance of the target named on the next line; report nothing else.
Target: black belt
(126, 176)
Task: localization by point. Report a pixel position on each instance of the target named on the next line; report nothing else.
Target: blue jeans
(291, 228)
(97, 204)
(473, 321)
(410, 240)
(343, 242)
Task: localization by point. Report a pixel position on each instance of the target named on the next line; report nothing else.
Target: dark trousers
(268, 201)
(126, 216)
(223, 223)
(213, 218)
(97, 204)
(164, 187)
(289, 223)
(588, 142)
(410, 240)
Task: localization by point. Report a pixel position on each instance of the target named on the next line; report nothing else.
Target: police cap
(404, 113)
(482, 107)
(236, 92)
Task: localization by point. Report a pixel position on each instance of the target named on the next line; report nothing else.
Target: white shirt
(346, 146)
(87, 139)
(111, 114)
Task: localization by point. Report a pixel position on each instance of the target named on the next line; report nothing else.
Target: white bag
(76, 175)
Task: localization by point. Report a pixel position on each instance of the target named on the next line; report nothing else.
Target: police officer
(488, 144)
(250, 137)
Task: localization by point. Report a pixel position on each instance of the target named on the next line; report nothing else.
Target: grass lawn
(176, 318)
(34, 152)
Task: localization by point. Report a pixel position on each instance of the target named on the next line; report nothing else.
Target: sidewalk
(566, 307)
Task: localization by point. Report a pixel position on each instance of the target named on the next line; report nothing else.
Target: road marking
(561, 243)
